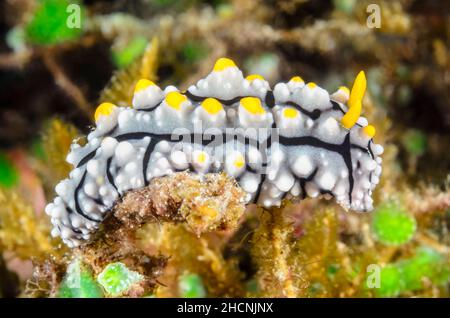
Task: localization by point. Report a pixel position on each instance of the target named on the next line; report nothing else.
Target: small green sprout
(332, 270)
(391, 225)
(129, 53)
(37, 149)
(79, 283)
(191, 286)
(194, 51)
(346, 6)
(415, 142)
(116, 278)
(252, 286)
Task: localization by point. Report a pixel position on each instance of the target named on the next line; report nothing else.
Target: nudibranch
(292, 141)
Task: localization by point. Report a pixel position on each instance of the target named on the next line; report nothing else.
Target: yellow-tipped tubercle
(104, 109)
(142, 84)
(252, 77)
(297, 79)
(369, 130)
(239, 162)
(175, 99)
(223, 63)
(311, 85)
(345, 90)
(355, 101)
(212, 105)
(252, 105)
(290, 112)
(201, 157)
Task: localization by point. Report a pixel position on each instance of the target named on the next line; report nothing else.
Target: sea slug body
(294, 140)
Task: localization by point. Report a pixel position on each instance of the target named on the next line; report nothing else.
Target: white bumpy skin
(290, 142)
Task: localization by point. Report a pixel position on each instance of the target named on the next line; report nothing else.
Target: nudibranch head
(293, 141)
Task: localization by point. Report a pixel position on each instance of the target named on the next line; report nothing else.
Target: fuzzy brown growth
(203, 204)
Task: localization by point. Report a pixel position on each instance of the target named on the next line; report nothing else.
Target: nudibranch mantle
(294, 140)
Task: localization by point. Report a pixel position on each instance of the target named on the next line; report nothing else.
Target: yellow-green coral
(57, 137)
(22, 231)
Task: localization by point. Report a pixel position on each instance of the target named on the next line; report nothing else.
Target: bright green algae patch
(427, 263)
(391, 225)
(391, 281)
(194, 51)
(415, 142)
(52, 22)
(411, 274)
(8, 173)
(116, 278)
(191, 286)
(79, 283)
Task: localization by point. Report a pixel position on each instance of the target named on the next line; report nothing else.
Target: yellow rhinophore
(175, 99)
(355, 101)
(212, 105)
(142, 84)
(104, 109)
(252, 77)
(252, 105)
(223, 63)
(369, 130)
(311, 85)
(290, 112)
(297, 79)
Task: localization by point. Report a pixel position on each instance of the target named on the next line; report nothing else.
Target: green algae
(194, 51)
(391, 282)
(426, 264)
(79, 283)
(9, 175)
(412, 274)
(415, 142)
(116, 279)
(129, 53)
(191, 286)
(391, 225)
(50, 23)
